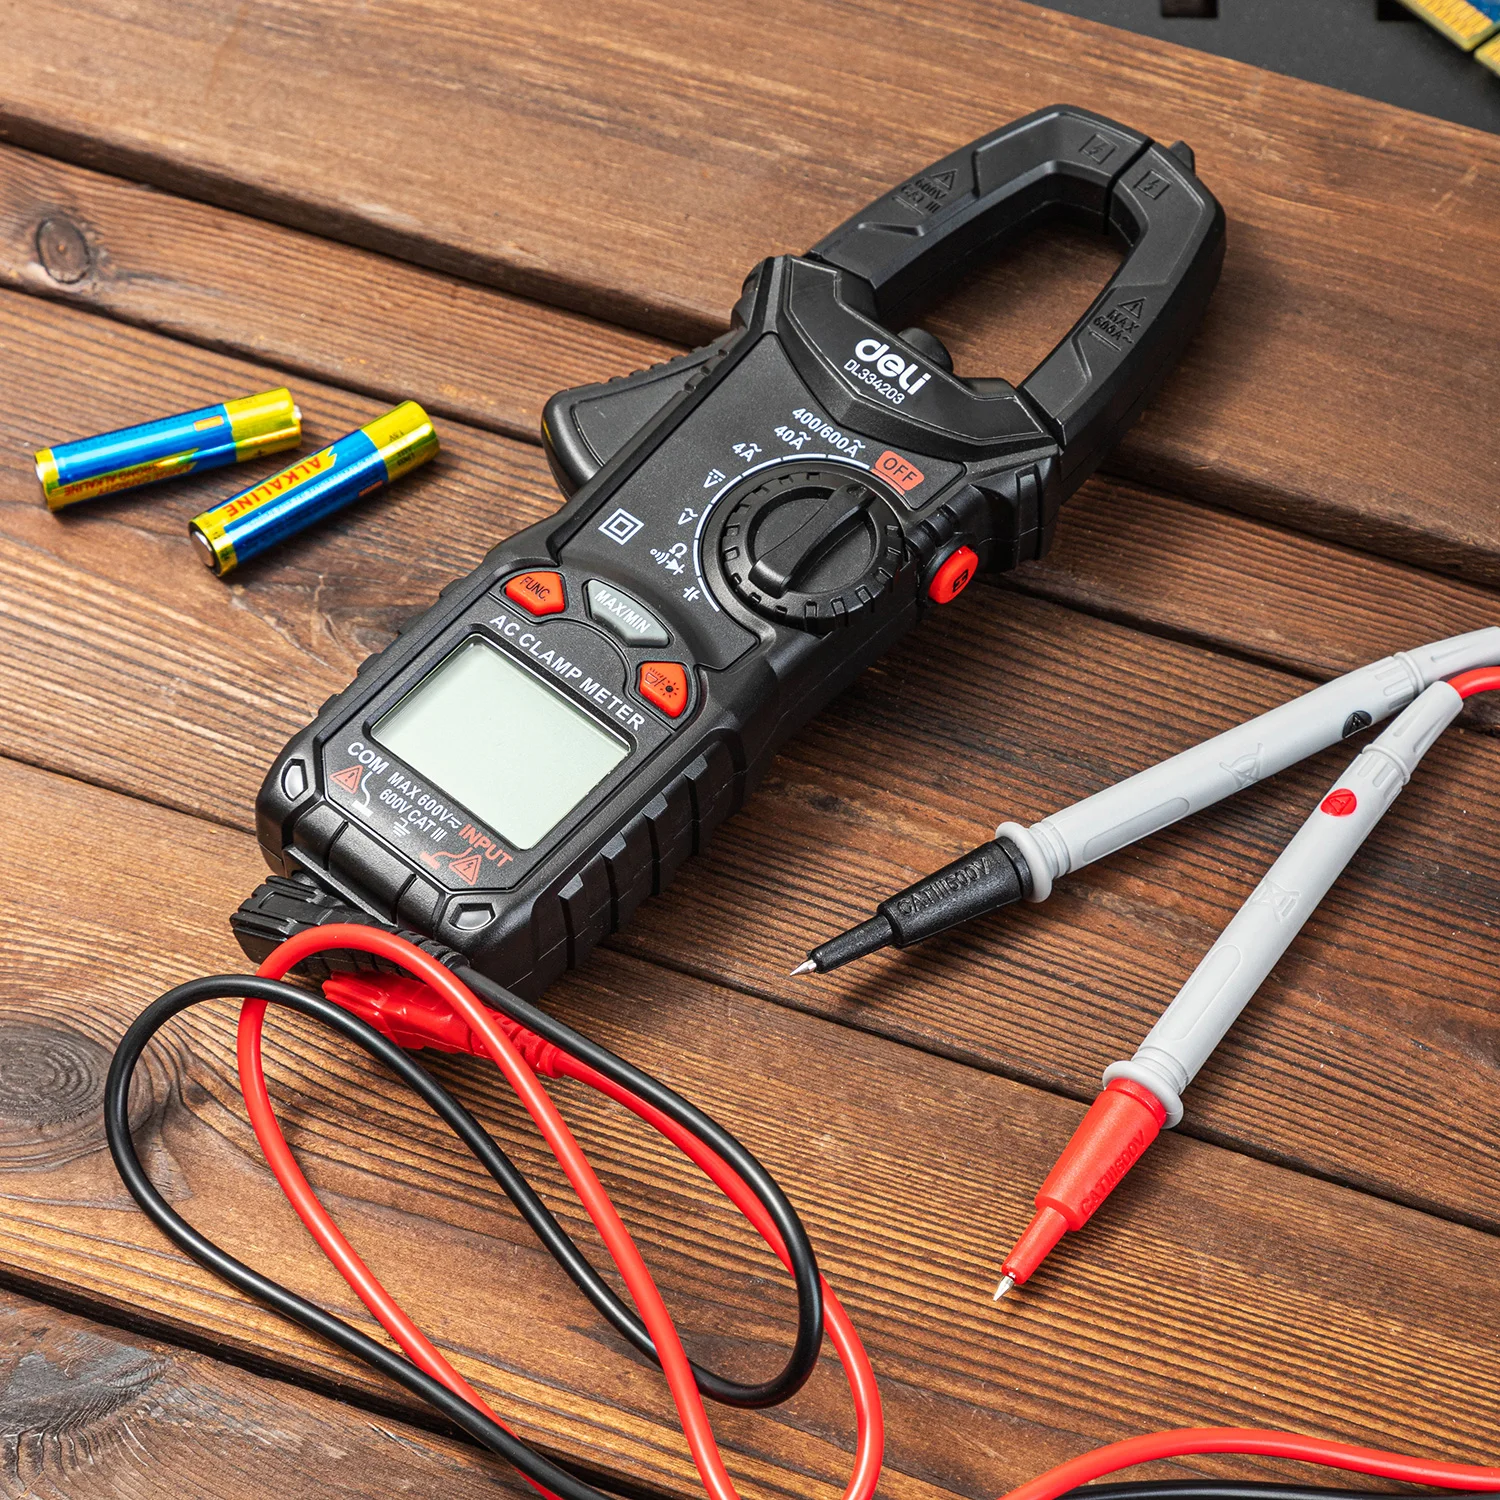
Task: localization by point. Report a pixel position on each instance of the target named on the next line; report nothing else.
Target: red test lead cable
(412, 1015)
(1183, 1441)
(503, 1051)
(1480, 680)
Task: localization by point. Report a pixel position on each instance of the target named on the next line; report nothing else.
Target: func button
(537, 593)
(623, 616)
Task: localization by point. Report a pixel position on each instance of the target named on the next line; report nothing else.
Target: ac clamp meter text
(750, 526)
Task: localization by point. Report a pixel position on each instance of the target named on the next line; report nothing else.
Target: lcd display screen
(483, 730)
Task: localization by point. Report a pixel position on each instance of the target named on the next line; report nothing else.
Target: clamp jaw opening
(1061, 163)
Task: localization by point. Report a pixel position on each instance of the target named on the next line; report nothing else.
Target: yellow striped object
(1464, 22)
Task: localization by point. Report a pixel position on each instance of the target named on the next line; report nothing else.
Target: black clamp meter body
(750, 526)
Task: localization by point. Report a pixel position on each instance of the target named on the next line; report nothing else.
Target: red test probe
(1142, 1096)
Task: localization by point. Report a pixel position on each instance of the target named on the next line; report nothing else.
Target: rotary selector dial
(811, 546)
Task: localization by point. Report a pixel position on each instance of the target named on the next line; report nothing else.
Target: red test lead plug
(415, 1016)
(1110, 1139)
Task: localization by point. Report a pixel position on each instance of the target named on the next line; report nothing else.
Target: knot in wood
(62, 250)
(48, 1074)
(66, 1388)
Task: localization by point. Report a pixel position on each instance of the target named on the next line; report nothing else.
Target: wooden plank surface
(90, 1411)
(308, 305)
(911, 1172)
(1346, 373)
(1020, 707)
(1341, 387)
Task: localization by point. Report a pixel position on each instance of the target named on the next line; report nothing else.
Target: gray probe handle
(1263, 928)
(1197, 778)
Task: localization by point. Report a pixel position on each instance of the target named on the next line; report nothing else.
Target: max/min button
(623, 616)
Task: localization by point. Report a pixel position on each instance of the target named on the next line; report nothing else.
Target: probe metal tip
(1006, 1283)
(807, 966)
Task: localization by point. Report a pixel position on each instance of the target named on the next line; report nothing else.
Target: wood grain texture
(310, 306)
(1270, 1287)
(129, 666)
(90, 1411)
(1342, 382)
(1140, 557)
(1338, 388)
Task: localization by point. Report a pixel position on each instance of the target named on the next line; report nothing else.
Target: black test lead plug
(983, 880)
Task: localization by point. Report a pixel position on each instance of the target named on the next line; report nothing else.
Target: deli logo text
(872, 358)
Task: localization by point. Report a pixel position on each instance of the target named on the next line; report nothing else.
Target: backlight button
(294, 780)
(470, 916)
(537, 593)
(664, 685)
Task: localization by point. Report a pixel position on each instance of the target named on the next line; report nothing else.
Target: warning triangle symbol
(348, 778)
(467, 868)
(1135, 308)
(944, 179)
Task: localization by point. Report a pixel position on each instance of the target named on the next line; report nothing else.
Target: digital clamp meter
(750, 526)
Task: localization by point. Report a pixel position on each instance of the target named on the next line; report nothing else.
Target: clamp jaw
(839, 304)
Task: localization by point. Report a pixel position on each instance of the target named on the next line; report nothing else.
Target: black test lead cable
(552, 1477)
(539, 1218)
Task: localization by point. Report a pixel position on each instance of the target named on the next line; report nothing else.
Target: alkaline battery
(314, 487)
(204, 439)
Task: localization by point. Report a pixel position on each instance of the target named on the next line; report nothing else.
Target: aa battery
(208, 438)
(314, 487)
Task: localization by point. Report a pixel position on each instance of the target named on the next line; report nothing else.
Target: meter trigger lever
(928, 344)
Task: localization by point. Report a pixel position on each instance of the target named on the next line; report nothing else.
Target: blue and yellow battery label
(208, 438)
(1464, 22)
(314, 487)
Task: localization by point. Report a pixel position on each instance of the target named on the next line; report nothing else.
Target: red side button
(952, 578)
(537, 593)
(1339, 803)
(664, 684)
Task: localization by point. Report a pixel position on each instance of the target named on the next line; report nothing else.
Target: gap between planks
(1300, 1251)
